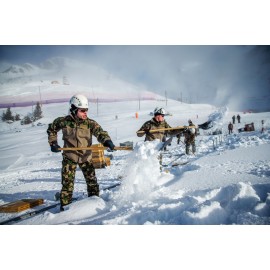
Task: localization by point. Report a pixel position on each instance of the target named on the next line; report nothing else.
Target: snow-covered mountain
(60, 78)
(22, 70)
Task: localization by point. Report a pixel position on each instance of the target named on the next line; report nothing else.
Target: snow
(227, 182)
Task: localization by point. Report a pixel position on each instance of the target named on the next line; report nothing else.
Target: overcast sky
(236, 76)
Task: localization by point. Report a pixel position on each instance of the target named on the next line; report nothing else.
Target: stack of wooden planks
(20, 205)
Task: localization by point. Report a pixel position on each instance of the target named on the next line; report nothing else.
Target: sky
(227, 182)
(234, 76)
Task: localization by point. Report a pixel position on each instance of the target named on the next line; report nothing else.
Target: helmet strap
(73, 110)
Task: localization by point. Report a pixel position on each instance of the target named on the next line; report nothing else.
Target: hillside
(60, 78)
(227, 182)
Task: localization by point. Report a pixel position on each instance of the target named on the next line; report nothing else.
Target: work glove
(109, 144)
(147, 131)
(54, 147)
(185, 130)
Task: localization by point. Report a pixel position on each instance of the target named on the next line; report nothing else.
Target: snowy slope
(60, 77)
(227, 182)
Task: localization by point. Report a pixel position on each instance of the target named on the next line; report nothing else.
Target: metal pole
(97, 106)
(39, 96)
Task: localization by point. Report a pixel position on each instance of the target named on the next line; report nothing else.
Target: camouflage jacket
(153, 124)
(190, 137)
(77, 133)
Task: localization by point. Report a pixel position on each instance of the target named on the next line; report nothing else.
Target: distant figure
(263, 128)
(238, 118)
(230, 128)
(233, 119)
(190, 135)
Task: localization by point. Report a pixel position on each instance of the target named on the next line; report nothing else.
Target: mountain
(60, 78)
(25, 69)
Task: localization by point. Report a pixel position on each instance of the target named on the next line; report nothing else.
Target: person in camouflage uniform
(77, 131)
(190, 135)
(157, 122)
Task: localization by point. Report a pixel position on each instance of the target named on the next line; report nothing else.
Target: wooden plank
(98, 153)
(107, 161)
(100, 163)
(20, 205)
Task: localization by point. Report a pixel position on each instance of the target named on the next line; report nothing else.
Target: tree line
(8, 116)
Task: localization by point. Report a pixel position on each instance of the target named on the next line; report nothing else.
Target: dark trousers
(68, 177)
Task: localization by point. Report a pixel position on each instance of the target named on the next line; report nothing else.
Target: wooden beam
(165, 129)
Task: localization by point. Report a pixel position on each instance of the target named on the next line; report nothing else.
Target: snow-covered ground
(226, 182)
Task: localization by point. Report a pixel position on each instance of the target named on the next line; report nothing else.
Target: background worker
(157, 122)
(190, 135)
(230, 128)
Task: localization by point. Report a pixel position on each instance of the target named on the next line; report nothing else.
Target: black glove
(109, 144)
(54, 147)
(185, 130)
(147, 131)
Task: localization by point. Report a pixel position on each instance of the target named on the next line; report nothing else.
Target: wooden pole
(164, 129)
(95, 148)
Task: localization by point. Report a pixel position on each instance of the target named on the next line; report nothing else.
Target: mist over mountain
(249, 87)
(217, 75)
(233, 76)
(61, 77)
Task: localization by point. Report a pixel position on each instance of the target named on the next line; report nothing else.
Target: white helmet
(159, 110)
(78, 101)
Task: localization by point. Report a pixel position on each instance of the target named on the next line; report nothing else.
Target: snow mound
(142, 173)
(217, 117)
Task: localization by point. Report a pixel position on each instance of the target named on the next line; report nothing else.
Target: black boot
(93, 194)
(93, 191)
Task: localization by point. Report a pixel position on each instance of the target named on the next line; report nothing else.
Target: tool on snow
(165, 144)
(180, 163)
(27, 215)
(39, 211)
(206, 125)
(57, 194)
(171, 162)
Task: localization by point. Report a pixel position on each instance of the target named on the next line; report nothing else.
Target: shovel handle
(164, 129)
(95, 148)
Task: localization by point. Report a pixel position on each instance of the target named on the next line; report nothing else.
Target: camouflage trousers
(68, 177)
(193, 147)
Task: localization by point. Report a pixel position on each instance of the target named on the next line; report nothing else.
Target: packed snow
(227, 181)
